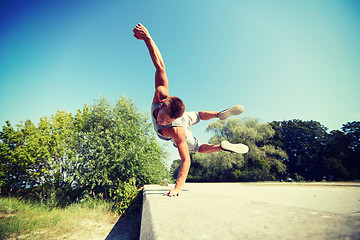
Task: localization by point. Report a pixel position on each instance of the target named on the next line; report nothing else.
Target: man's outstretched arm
(178, 134)
(161, 82)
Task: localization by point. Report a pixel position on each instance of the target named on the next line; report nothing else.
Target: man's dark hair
(174, 107)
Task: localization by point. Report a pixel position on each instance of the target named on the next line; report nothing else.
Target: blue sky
(282, 60)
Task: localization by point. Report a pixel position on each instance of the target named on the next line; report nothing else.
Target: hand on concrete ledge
(173, 193)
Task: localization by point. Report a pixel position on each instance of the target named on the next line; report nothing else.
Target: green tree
(305, 143)
(62, 127)
(13, 170)
(24, 156)
(336, 156)
(103, 151)
(115, 146)
(351, 148)
(263, 162)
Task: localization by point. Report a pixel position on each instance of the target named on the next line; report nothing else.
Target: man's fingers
(136, 28)
(172, 193)
(139, 26)
(139, 31)
(169, 193)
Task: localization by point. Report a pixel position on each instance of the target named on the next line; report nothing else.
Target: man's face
(163, 117)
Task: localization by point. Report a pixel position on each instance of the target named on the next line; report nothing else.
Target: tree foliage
(344, 152)
(114, 145)
(294, 149)
(315, 154)
(305, 143)
(263, 162)
(104, 151)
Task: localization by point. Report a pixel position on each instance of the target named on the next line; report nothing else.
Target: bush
(123, 196)
(115, 147)
(103, 152)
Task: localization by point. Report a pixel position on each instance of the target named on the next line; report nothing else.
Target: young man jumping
(172, 123)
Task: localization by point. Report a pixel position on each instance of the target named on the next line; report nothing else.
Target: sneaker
(236, 148)
(235, 110)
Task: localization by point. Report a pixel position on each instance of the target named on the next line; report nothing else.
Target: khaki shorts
(186, 121)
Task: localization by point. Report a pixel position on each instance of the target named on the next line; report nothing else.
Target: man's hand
(173, 193)
(140, 32)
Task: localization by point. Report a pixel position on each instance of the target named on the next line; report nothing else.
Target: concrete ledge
(252, 211)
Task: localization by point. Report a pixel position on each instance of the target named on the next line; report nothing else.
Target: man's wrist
(179, 185)
(147, 38)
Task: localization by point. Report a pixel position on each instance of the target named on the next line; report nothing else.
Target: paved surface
(252, 211)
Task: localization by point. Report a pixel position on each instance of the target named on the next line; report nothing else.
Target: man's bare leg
(207, 115)
(209, 148)
(225, 145)
(235, 110)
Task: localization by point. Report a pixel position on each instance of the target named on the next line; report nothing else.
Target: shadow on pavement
(127, 227)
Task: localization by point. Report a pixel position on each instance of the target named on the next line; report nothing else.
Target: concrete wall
(252, 211)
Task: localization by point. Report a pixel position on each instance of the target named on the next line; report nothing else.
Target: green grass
(31, 220)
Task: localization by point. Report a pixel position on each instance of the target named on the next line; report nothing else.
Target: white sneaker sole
(235, 110)
(236, 148)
